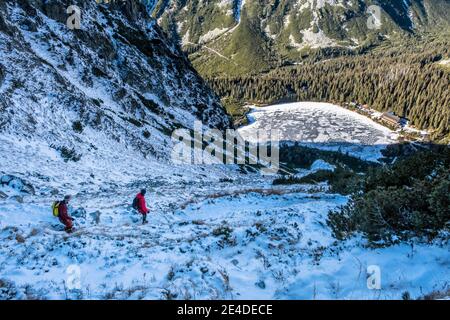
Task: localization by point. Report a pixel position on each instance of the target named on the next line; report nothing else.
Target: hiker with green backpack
(61, 211)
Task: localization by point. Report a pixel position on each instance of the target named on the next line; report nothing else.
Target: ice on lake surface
(324, 126)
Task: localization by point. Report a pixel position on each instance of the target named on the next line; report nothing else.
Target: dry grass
(20, 238)
(137, 291)
(437, 295)
(34, 232)
(198, 222)
(235, 193)
(226, 279)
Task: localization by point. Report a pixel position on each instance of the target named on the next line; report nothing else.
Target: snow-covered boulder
(16, 183)
(79, 213)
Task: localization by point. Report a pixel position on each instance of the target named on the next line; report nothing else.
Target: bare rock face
(117, 75)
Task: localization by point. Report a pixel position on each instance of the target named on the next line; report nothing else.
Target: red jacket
(142, 208)
(64, 215)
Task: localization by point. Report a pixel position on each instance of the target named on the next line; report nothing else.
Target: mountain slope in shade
(117, 81)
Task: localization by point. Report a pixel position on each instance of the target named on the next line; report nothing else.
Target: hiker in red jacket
(141, 206)
(64, 214)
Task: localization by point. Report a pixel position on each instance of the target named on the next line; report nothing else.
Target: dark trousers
(144, 218)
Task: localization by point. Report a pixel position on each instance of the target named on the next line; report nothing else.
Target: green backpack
(55, 208)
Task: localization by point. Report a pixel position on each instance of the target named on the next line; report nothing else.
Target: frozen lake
(322, 125)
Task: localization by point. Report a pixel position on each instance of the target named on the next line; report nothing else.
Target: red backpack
(135, 204)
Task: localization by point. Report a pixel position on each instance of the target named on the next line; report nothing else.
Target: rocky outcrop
(17, 184)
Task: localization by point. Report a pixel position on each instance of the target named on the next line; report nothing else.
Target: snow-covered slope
(116, 82)
(90, 113)
(254, 243)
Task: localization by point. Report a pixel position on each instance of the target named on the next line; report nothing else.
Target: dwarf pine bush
(398, 202)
